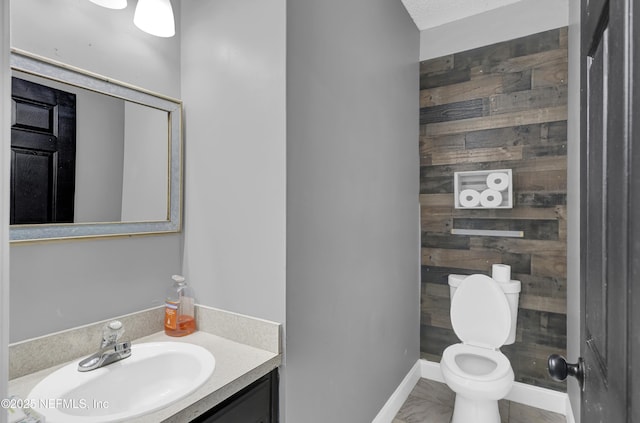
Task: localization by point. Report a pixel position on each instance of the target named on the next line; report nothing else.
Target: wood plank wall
(502, 106)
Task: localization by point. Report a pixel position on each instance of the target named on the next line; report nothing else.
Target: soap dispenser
(179, 318)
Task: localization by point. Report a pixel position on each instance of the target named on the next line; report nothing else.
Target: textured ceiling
(430, 13)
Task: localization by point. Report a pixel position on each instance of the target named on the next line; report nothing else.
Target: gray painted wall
(233, 86)
(145, 175)
(58, 285)
(352, 207)
(99, 157)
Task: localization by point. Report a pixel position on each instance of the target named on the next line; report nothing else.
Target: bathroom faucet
(111, 349)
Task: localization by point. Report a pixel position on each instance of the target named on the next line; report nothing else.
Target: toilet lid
(480, 312)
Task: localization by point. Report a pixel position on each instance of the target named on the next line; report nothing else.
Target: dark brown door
(610, 236)
(43, 150)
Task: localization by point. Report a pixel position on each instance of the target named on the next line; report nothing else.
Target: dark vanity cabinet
(257, 403)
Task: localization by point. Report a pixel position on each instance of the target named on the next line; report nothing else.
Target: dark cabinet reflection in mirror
(43, 153)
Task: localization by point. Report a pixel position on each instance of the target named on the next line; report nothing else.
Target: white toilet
(484, 311)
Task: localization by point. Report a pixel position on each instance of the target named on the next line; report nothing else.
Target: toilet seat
(480, 313)
(502, 369)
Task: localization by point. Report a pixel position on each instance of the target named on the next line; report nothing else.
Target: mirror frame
(36, 65)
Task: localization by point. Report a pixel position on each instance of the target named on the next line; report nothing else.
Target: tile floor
(432, 402)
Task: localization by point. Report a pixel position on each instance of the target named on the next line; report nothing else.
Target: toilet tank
(511, 290)
(454, 283)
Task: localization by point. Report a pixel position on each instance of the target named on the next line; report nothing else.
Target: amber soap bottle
(179, 318)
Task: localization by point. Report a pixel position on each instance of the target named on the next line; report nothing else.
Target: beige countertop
(237, 366)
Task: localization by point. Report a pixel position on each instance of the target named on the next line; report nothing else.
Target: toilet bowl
(479, 377)
(475, 369)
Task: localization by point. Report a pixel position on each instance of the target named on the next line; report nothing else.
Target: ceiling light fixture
(155, 17)
(111, 4)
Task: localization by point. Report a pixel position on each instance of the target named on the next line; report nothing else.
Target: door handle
(559, 369)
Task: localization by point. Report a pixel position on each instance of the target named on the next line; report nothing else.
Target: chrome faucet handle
(111, 348)
(112, 332)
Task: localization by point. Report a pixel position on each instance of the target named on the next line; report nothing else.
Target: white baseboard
(569, 414)
(399, 396)
(431, 370)
(534, 396)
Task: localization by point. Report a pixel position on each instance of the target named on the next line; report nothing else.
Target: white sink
(155, 375)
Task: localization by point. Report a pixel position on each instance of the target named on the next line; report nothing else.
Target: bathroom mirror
(123, 175)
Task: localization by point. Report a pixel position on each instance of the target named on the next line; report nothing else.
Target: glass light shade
(155, 17)
(111, 4)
